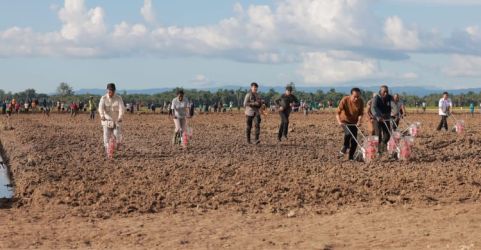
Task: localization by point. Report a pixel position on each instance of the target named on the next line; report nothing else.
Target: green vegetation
(66, 94)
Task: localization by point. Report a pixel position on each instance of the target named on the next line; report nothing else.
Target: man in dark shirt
(284, 103)
(381, 110)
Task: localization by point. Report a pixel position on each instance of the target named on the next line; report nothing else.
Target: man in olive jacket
(252, 104)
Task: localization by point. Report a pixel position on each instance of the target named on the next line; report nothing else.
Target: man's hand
(102, 118)
(281, 109)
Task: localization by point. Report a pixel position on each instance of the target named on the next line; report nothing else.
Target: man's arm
(375, 110)
(339, 110)
(121, 109)
(102, 108)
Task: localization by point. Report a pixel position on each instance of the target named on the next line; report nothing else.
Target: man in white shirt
(179, 107)
(445, 105)
(111, 110)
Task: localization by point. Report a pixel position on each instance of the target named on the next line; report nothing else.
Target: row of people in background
(383, 110)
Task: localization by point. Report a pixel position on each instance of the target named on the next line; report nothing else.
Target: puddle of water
(6, 191)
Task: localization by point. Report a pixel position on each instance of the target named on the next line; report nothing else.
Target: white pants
(108, 133)
(180, 123)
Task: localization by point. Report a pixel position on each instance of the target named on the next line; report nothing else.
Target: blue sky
(152, 43)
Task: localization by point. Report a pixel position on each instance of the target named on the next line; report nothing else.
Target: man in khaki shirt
(349, 115)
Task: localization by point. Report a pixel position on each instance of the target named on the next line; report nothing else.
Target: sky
(140, 44)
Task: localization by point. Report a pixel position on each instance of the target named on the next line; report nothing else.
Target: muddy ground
(64, 186)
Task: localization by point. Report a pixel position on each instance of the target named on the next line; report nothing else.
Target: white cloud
(147, 11)
(464, 66)
(440, 2)
(77, 22)
(335, 67)
(199, 79)
(400, 36)
(335, 22)
(334, 41)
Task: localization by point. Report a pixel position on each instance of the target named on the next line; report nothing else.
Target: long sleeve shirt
(381, 107)
(252, 103)
(111, 108)
(285, 102)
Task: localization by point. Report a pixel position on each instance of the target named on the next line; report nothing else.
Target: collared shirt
(179, 107)
(396, 108)
(349, 111)
(111, 108)
(252, 104)
(444, 106)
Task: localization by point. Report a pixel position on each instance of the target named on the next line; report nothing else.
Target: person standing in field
(111, 111)
(445, 106)
(381, 110)
(471, 109)
(349, 116)
(252, 104)
(180, 110)
(92, 108)
(397, 110)
(372, 119)
(424, 107)
(285, 103)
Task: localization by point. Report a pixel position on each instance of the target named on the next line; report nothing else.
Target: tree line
(66, 94)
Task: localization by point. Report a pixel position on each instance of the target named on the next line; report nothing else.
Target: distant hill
(410, 90)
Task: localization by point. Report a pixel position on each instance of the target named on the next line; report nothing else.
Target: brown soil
(223, 192)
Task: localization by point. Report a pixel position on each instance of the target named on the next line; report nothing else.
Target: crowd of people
(384, 112)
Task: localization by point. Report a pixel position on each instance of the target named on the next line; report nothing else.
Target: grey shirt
(252, 103)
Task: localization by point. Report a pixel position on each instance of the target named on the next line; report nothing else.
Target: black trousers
(256, 119)
(92, 115)
(382, 131)
(284, 127)
(396, 120)
(350, 139)
(443, 123)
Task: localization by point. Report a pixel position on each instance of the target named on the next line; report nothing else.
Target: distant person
(92, 108)
(111, 111)
(372, 119)
(4, 107)
(25, 106)
(179, 107)
(424, 107)
(445, 106)
(381, 110)
(46, 108)
(206, 108)
(349, 117)
(471, 109)
(330, 104)
(252, 104)
(397, 110)
(191, 109)
(285, 103)
(73, 109)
